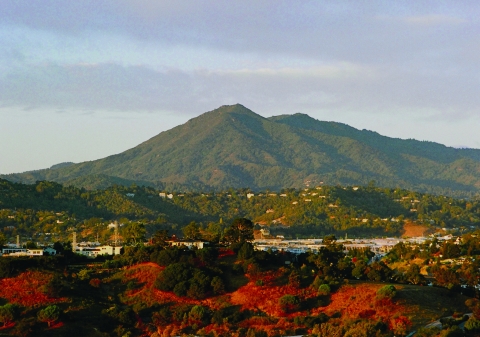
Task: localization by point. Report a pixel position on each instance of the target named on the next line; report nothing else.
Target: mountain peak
(235, 108)
(225, 113)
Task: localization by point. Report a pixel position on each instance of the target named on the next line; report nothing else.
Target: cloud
(321, 30)
(434, 20)
(335, 87)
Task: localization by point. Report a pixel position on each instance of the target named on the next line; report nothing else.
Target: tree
(2, 239)
(323, 290)
(289, 303)
(386, 292)
(240, 230)
(84, 274)
(208, 255)
(472, 326)
(31, 245)
(6, 314)
(217, 285)
(197, 313)
(191, 231)
(135, 232)
(59, 248)
(49, 315)
(160, 238)
(413, 275)
(173, 275)
(329, 239)
(246, 251)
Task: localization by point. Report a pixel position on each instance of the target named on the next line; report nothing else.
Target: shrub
(472, 326)
(454, 331)
(95, 282)
(49, 315)
(6, 314)
(323, 290)
(289, 303)
(427, 332)
(84, 274)
(217, 285)
(386, 292)
(198, 314)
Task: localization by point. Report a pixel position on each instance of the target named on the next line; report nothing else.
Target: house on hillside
(265, 232)
(188, 243)
(22, 252)
(93, 252)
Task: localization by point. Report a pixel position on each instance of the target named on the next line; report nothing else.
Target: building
(49, 251)
(22, 252)
(99, 250)
(188, 243)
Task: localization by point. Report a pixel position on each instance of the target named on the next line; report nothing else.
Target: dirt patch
(412, 230)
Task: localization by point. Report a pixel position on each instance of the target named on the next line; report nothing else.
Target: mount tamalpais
(234, 147)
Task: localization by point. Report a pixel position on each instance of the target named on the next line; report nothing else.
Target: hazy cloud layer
(336, 87)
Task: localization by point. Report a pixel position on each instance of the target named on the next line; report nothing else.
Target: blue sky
(81, 80)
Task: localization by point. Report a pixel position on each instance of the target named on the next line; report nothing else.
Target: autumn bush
(95, 282)
(400, 325)
(28, 289)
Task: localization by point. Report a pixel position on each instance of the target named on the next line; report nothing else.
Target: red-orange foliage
(358, 301)
(146, 274)
(26, 289)
(225, 252)
(352, 301)
(7, 326)
(266, 297)
(95, 282)
(400, 325)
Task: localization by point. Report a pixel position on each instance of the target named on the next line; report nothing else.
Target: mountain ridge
(232, 146)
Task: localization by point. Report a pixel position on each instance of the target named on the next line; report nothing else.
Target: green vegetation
(49, 315)
(234, 147)
(48, 212)
(229, 288)
(386, 292)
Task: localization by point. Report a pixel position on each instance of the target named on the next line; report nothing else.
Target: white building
(188, 243)
(22, 252)
(100, 250)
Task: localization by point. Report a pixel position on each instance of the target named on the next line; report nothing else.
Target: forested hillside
(233, 147)
(47, 207)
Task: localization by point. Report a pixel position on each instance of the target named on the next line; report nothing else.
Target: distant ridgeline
(232, 147)
(48, 208)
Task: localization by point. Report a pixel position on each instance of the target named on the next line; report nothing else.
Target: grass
(427, 304)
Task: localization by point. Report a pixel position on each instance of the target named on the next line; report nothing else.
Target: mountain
(234, 147)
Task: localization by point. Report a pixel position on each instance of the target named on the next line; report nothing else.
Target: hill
(234, 147)
(48, 207)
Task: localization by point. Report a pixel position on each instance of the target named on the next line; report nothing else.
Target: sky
(82, 80)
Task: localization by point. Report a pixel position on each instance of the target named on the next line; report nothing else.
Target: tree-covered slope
(234, 147)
